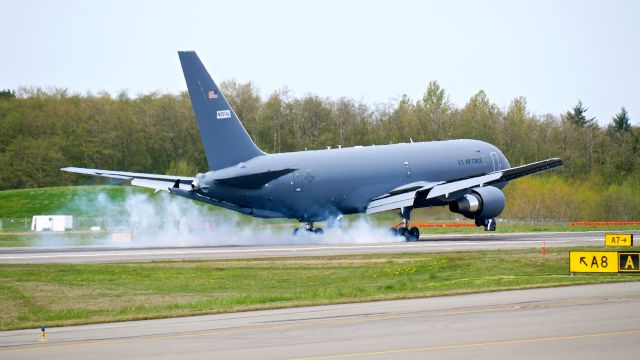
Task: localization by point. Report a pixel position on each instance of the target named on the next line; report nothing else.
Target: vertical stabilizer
(226, 142)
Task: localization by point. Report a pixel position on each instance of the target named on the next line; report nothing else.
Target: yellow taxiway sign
(618, 239)
(593, 261)
(629, 261)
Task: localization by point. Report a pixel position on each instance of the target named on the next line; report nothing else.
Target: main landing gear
(488, 224)
(403, 229)
(309, 228)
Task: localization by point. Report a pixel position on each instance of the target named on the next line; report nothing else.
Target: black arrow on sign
(582, 261)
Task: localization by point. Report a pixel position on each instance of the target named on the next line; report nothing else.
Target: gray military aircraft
(323, 185)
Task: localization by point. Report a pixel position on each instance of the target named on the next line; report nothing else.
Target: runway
(580, 322)
(427, 243)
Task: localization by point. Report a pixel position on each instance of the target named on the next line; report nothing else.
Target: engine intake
(482, 203)
(196, 184)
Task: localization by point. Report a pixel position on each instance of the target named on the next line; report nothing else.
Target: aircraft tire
(393, 231)
(490, 225)
(295, 232)
(318, 231)
(413, 234)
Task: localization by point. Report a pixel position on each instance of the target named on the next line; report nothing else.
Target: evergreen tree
(576, 116)
(621, 122)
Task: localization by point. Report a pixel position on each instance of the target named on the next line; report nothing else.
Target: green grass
(69, 200)
(65, 294)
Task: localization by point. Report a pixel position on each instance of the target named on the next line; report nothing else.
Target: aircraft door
(297, 181)
(407, 169)
(496, 163)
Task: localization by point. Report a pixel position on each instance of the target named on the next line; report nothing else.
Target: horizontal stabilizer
(151, 181)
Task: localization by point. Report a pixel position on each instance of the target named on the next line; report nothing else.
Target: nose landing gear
(403, 229)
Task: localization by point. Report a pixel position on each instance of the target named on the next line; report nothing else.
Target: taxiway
(579, 322)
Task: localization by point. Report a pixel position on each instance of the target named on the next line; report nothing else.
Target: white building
(52, 223)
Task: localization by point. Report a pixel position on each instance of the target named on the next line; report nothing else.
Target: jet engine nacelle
(482, 203)
(196, 184)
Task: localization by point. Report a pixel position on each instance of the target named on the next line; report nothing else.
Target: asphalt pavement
(579, 322)
(427, 243)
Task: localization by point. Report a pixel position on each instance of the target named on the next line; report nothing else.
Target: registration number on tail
(224, 114)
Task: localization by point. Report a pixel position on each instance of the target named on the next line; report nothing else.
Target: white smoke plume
(163, 220)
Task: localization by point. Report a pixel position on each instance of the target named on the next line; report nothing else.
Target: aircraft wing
(399, 197)
(152, 181)
(405, 195)
(528, 169)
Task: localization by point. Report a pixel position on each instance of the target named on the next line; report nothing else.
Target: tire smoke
(163, 220)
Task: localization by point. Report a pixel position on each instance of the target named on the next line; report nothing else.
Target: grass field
(68, 200)
(55, 295)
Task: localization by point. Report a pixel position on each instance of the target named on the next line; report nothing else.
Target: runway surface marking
(428, 243)
(290, 249)
(463, 346)
(334, 322)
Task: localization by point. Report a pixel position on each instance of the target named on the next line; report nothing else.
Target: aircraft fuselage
(344, 180)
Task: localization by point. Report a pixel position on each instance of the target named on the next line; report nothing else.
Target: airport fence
(603, 223)
(17, 225)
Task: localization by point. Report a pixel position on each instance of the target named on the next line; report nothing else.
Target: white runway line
(289, 249)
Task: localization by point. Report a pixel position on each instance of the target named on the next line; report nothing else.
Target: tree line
(42, 130)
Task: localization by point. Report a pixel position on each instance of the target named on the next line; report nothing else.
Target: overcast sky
(551, 52)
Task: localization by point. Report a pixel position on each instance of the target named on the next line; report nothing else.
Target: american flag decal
(213, 95)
